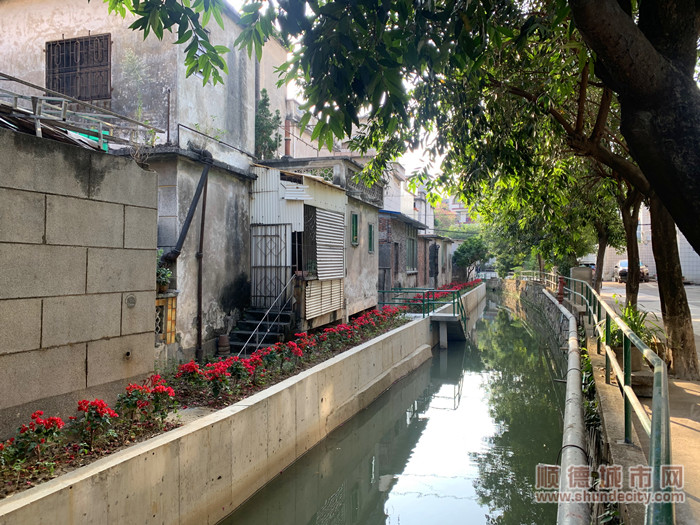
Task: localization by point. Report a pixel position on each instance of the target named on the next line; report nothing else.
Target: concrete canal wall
(202, 471)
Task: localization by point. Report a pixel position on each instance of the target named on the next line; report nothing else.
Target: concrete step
(267, 337)
(284, 316)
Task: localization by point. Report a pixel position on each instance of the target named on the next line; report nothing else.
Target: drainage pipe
(207, 160)
(573, 448)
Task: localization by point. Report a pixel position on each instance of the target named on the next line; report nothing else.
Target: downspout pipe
(573, 447)
(207, 160)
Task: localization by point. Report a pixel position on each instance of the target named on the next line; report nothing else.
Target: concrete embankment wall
(202, 471)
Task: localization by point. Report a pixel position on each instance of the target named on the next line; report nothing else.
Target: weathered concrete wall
(445, 264)
(202, 471)
(139, 79)
(144, 73)
(423, 278)
(394, 233)
(226, 241)
(361, 264)
(274, 54)
(77, 287)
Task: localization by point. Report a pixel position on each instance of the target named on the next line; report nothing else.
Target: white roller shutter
(330, 244)
(323, 297)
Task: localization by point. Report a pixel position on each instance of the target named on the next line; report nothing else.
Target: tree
(354, 55)
(471, 251)
(267, 125)
(157, 16)
(467, 63)
(648, 57)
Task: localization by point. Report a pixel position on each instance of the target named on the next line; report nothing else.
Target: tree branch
(627, 169)
(635, 67)
(601, 119)
(582, 99)
(533, 98)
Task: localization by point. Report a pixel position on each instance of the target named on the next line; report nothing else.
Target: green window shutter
(371, 238)
(354, 239)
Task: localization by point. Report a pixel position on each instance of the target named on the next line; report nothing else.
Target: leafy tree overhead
(355, 55)
(188, 18)
(476, 82)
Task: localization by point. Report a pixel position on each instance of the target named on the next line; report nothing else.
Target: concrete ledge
(613, 429)
(203, 470)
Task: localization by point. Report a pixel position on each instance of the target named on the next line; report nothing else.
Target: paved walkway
(684, 401)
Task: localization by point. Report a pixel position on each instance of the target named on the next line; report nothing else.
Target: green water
(456, 442)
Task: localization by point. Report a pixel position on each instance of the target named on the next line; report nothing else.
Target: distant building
(690, 260)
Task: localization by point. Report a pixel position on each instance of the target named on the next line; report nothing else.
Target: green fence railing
(602, 315)
(425, 301)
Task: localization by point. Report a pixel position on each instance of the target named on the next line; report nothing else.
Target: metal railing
(256, 332)
(55, 109)
(658, 426)
(426, 300)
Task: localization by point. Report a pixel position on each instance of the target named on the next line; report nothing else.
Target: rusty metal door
(271, 263)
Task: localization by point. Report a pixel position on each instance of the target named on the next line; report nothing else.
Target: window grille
(166, 309)
(354, 234)
(411, 250)
(80, 67)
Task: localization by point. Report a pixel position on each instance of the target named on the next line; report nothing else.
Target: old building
(361, 227)
(298, 246)
(411, 255)
(76, 48)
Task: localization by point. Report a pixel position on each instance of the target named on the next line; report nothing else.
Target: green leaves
(189, 18)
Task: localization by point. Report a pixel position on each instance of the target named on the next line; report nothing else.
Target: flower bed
(46, 448)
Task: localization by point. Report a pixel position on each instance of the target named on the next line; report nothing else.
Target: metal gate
(271, 263)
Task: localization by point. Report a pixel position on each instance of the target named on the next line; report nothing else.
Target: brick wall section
(77, 288)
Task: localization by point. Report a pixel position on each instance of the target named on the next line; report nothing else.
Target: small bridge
(446, 307)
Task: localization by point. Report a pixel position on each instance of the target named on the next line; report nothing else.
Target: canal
(455, 442)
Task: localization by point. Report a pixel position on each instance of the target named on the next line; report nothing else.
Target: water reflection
(526, 410)
(456, 442)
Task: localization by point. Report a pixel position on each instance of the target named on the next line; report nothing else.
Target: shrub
(29, 439)
(96, 422)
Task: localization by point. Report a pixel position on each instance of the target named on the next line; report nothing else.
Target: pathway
(684, 400)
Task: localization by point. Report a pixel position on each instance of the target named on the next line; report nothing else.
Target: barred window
(80, 67)
(411, 250)
(354, 232)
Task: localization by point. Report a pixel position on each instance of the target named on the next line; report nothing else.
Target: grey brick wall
(77, 238)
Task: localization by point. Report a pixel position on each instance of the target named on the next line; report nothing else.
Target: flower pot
(162, 288)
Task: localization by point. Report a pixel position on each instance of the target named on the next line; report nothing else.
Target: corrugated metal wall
(323, 297)
(276, 203)
(330, 244)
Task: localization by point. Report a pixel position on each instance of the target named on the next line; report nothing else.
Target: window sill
(411, 272)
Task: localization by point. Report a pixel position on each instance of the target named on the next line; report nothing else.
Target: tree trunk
(650, 62)
(681, 356)
(600, 258)
(629, 210)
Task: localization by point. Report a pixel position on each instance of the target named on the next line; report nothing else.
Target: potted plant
(637, 321)
(163, 274)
